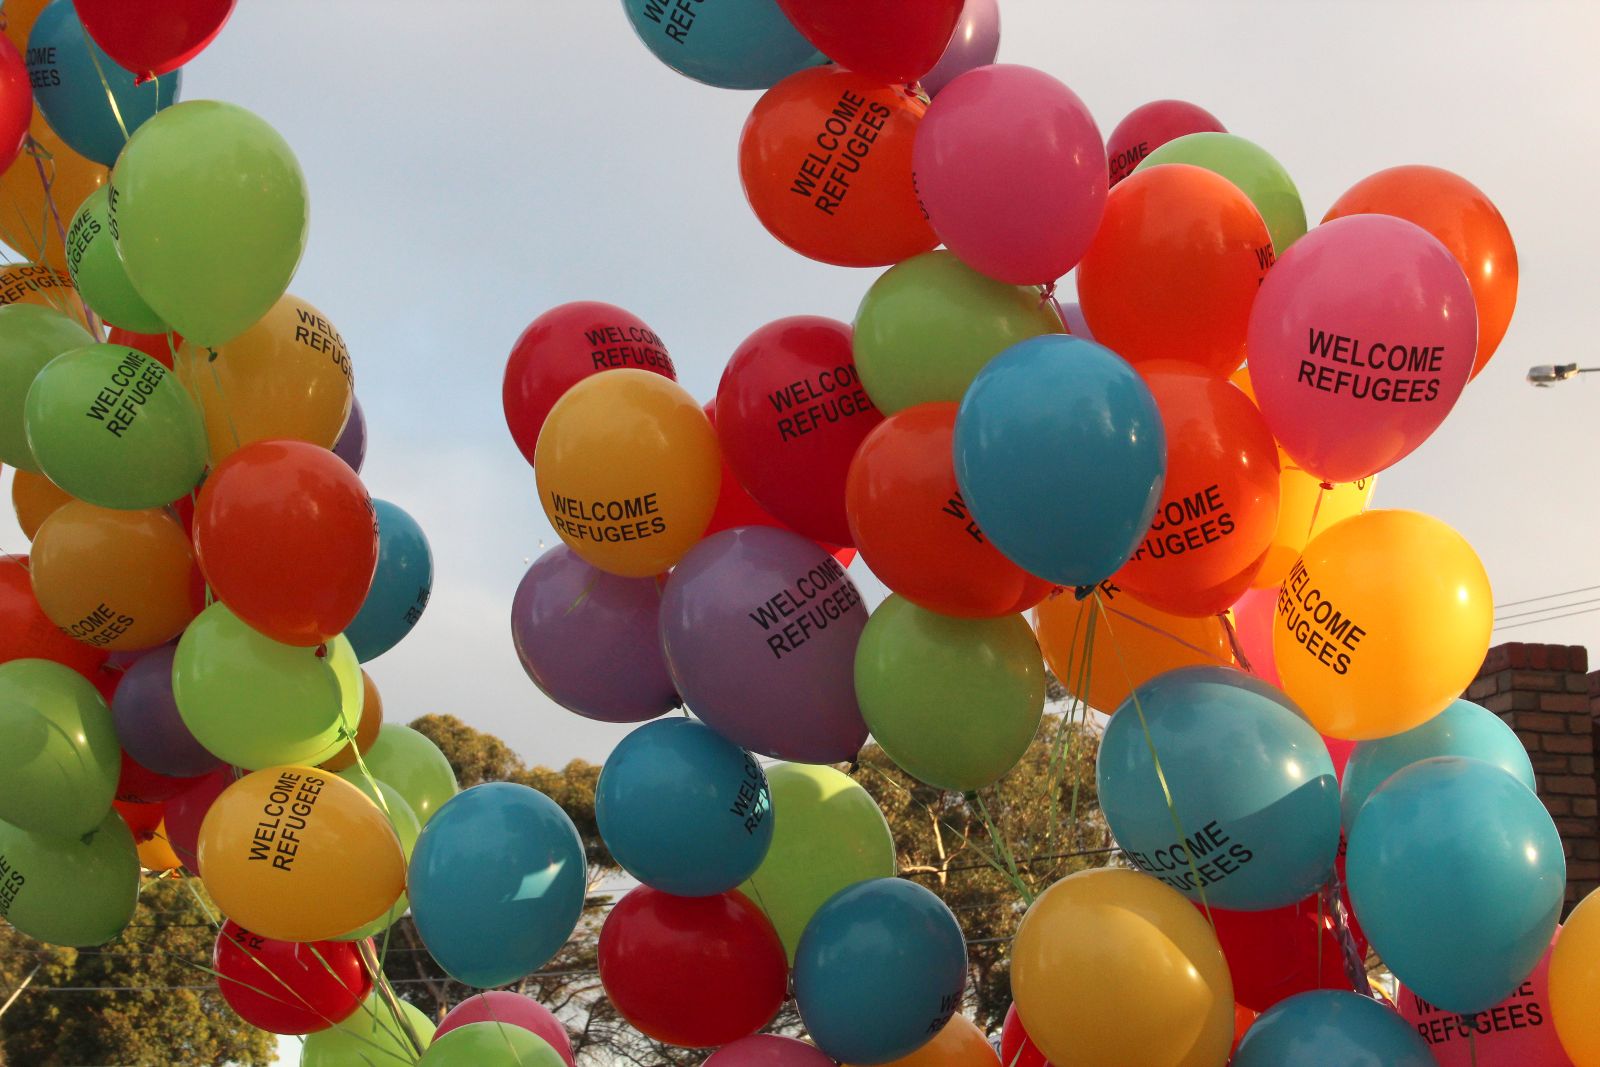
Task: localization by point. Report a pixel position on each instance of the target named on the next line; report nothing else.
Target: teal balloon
(1457, 876)
(731, 44)
(30, 337)
(97, 269)
(1060, 454)
(400, 586)
(413, 765)
(1326, 1027)
(490, 1044)
(1250, 779)
(78, 890)
(1248, 166)
(59, 756)
(1462, 729)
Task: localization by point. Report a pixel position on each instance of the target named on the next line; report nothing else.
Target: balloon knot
(855, 766)
(1326, 485)
(212, 355)
(322, 651)
(1083, 592)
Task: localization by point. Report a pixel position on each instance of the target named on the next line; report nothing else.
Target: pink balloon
(1253, 615)
(1012, 172)
(1360, 341)
(1149, 126)
(513, 1009)
(1339, 751)
(767, 1050)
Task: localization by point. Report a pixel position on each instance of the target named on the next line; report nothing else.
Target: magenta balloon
(147, 720)
(352, 443)
(768, 1050)
(760, 627)
(1149, 126)
(185, 812)
(588, 639)
(512, 1009)
(974, 44)
(1012, 172)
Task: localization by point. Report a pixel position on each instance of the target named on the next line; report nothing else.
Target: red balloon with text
(289, 987)
(1149, 126)
(26, 632)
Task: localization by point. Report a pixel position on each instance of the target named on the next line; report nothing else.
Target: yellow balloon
(628, 470)
(1575, 983)
(117, 580)
(1110, 968)
(300, 854)
(34, 498)
(27, 223)
(155, 852)
(18, 17)
(29, 283)
(366, 730)
(288, 376)
(1381, 623)
(957, 1044)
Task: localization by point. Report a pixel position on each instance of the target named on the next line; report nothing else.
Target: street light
(1546, 375)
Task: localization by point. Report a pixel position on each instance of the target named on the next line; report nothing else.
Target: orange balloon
(287, 377)
(143, 819)
(1465, 221)
(825, 159)
(913, 528)
(26, 632)
(155, 852)
(958, 1043)
(1242, 1018)
(1219, 503)
(287, 537)
(117, 580)
(29, 283)
(1174, 268)
(27, 223)
(34, 497)
(17, 17)
(366, 730)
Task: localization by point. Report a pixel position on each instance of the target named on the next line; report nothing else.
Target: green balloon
(491, 1045)
(97, 269)
(954, 702)
(75, 891)
(828, 834)
(406, 827)
(372, 1037)
(208, 208)
(59, 756)
(110, 425)
(410, 763)
(929, 324)
(30, 337)
(255, 702)
(1247, 165)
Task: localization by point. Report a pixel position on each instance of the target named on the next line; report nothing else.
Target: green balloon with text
(406, 828)
(98, 272)
(59, 755)
(413, 765)
(76, 891)
(1247, 165)
(30, 337)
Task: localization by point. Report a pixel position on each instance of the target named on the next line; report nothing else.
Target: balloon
(29, 283)
(768, 1050)
(288, 987)
(760, 627)
(161, 347)
(34, 498)
(30, 337)
(1174, 269)
(1422, 869)
(254, 702)
(407, 828)
(286, 377)
(371, 1037)
(58, 750)
(692, 971)
(1574, 976)
(118, 580)
(829, 835)
(1247, 165)
(880, 969)
(1329, 1026)
(909, 520)
(141, 785)
(1274, 954)
(78, 889)
(682, 810)
(407, 760)
(929, 324)
(156, 854)
(497, 883)
(366, 730)
(185, 812)
(1382, 622)
(954, 702)
(1518, 1030)
(1254, 614)
(589, 640)
(958, 1043)
(352, 443)
(16, 104)
(297, 854)
(153, 39)
(97, 268)
(26, 632)
(1072, 318)
(638, 518)
(490, 1045)
(288, 539)
(1033, 227)
(143, 819)
(1016, 1047)
(974, 43)
(148, 724)
(510, 1009)
(1465, 221)
(141, 444)
(748, 45)
(401, 584)
(29, 216)
(825, 160)
(211, 244)
(1149, 126)
(1087, 411)
(886, 40)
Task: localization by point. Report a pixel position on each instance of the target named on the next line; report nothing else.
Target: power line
(1549, 618)
(1547, 596)
(1552, 607)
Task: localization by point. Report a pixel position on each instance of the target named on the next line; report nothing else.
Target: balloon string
(1355, 968)
(1233, 642)
(227, 411)
(386, 993)
(111, 98)
(47, 182)
(1002, 849)
(1174, 638)
(1316, 509)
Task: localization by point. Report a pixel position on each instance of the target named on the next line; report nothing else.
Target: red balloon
(1242, 1018)
(1149, 126)
(286, 535)
(1016, 1047)
(791, 414)
(158, 346)
(143, 819)
(27, 633)
(891, 40)
(16, 103)
(564, 346)
(138, 784)
(692, 971)
(289, 987)
(1278, 953)
(152, 37)
(187, 810)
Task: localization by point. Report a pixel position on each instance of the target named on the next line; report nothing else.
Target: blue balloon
(1462, 729)
(400, 586)
(683, 810)
(497, 881)
(879, 970)
(1456, 874)
(76, 85)
(732, 44)
(1250, 778)
(1061, 454)
(1327, 1027)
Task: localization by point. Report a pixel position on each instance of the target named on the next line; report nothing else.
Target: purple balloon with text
(148, 724)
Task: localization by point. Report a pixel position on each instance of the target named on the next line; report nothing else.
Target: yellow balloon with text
(35, 498)
(29, 283)
(1382, 622)
(628, 469)
(1575, 983)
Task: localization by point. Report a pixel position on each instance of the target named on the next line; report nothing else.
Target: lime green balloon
(954, 702)
(110, 425)
(30, 337)
(410, 763)
(208, 207)
(1247, 165)
(76, 891)
(98, 272)
(827, 834)
(929, 324)
(491, 1045)
(406, 828)
(372, 1037)
(59, 756)
(255, 702)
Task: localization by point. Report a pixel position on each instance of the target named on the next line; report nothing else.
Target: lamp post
(1545, 375)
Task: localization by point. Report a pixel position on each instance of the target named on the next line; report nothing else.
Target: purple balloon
(588, 639)
(352, 443)
(975, 43)
(1077, 325)
(768, 1050)
(148, 724)
(760, 626)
